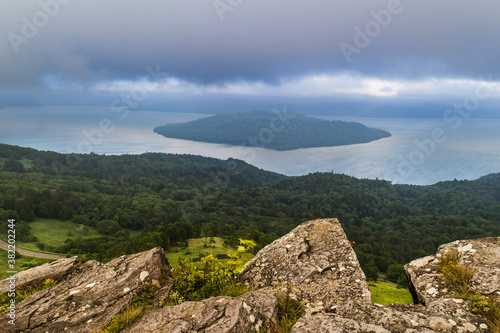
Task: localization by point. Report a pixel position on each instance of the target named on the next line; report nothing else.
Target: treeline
(172, 198)
(139, 169)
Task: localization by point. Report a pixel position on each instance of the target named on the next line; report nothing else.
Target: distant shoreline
(280, 131)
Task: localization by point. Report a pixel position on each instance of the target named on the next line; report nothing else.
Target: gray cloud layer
(257, 40)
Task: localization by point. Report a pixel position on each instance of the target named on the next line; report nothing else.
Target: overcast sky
(391, 49)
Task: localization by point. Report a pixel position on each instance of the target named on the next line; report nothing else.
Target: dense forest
(171, 198)
(273, 130)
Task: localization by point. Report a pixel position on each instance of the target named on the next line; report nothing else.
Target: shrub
(489, 308)
(290, 310)
(82, 259)
(222, 256)
(23, 292)
(213, 278)
(457, 276)
(141, 304)
(124, 319)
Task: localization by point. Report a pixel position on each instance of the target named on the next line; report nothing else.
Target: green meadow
(384, 293)
(54, 232)
(198, 248)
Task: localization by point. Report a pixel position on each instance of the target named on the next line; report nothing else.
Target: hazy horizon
(436, 62)
(325, 57)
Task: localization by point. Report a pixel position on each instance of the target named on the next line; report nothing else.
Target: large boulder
(214, 315)
(88, 301)
(315, 263)
(483, 255)
(443, 314)
(317, 260)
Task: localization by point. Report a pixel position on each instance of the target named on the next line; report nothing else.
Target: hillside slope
(142, 201)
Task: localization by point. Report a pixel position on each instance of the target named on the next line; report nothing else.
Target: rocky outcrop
(314, 262)
(441, 313)
(246, 313)
(56, 270)
(482, 255)
(88, 301)
(317, 259)
(448, 315)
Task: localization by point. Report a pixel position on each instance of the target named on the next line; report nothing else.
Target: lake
(420, 151)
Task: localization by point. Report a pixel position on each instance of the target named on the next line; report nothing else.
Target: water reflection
(468, 152)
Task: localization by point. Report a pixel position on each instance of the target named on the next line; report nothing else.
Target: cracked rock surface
(317, 259)
(448, 315)
(483, 254)
(56, 270)
(214, 315)
(438, 310)
(87, 301)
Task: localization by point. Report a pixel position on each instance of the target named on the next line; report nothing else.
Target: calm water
(412, 155)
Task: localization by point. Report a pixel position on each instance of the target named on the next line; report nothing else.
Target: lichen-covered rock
(88, 301)
(332, 323)
(56, 270)
(317, 259)
(315, 263)
(483, 254)
(214, 315)
(442, 313)
(447, 315)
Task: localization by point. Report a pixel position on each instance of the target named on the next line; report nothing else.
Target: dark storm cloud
(256, 40)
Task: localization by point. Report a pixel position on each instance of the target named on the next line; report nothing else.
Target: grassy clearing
(22, 263)
(27, 163)
(385, 293)
(54, 232)
(198, 248)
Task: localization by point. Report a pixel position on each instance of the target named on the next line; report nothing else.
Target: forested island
(131, 203)
(272, 130)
